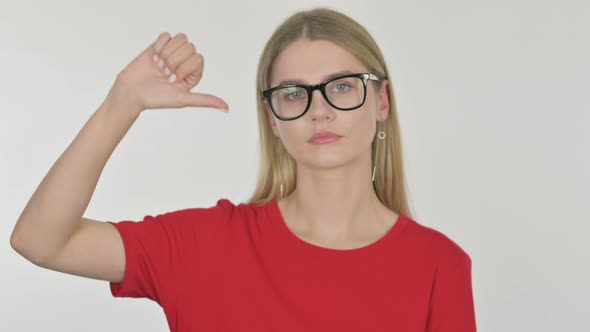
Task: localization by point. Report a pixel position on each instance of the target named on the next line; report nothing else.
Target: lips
(323, 135)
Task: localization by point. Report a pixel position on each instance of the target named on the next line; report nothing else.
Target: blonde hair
(276, 164)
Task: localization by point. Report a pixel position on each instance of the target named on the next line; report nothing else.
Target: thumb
(196, 99)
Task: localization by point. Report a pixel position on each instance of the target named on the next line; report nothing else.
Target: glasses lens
(347, 93)
(289, 102)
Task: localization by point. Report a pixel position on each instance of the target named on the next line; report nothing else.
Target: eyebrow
(298, 81)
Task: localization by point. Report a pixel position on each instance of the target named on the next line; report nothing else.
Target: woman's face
(312, 62)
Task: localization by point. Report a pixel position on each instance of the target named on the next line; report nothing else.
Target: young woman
(325, 243)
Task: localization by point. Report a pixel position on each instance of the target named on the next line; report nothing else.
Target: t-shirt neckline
(388, 238)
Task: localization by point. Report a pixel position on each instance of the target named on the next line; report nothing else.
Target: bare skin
(369, 232)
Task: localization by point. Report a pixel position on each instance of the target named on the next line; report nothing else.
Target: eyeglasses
(291, 101)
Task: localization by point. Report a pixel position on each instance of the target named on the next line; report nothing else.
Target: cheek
(365, 122)
(291, 136)
(365, 133)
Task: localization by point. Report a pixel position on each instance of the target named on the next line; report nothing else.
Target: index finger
(159, 44)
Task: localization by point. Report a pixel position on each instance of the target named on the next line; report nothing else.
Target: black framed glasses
(345, 93)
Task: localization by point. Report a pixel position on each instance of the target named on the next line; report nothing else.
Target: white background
(494, 109)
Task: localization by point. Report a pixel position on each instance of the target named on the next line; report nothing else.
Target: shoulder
(213, 215)
(221, 207)
(205, 216)
(204, 212)
(222, 214)
(435, 244)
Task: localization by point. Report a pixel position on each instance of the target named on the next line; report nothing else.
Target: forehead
(311, 62)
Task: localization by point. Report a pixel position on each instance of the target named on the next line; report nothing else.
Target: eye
(341, 87)
(295, 94)
(292, 93)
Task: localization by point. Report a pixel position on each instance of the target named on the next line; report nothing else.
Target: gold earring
(381, 136)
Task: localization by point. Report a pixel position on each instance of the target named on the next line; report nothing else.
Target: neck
(335, 204)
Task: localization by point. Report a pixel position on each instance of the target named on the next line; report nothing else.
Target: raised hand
(163, 75)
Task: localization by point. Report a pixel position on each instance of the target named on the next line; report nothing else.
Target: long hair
(276, 164)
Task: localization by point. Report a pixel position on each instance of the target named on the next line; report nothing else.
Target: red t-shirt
(240, 268)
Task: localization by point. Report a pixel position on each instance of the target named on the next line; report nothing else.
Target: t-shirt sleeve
(452, 308)
(157, 247)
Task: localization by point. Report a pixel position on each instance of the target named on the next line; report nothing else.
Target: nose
(319, 107)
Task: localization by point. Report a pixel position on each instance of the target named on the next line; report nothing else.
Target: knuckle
(195, 64)
(195, 76)
(181, 36)
(193, 67)
(192, 47)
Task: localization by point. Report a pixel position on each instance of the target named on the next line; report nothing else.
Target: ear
(383, 104)
(271, 117)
